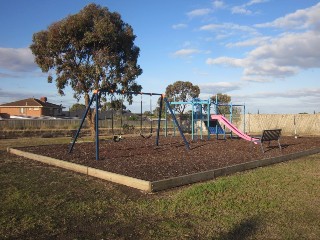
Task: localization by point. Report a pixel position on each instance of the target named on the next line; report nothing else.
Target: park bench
(268, 136)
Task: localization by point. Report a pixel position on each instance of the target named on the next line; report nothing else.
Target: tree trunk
(90, 116)
(180, 120)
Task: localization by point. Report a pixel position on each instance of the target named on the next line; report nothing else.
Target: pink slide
(233, 128)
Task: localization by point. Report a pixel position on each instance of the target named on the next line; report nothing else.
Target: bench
(268, 136)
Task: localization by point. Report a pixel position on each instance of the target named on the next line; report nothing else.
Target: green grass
(43, 202)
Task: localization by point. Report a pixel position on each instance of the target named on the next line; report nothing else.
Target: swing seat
(117, 138)
(149, 136)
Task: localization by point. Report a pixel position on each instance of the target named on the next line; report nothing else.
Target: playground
(174, 157)
(139, 157)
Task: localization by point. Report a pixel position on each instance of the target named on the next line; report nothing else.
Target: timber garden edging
(154, 186)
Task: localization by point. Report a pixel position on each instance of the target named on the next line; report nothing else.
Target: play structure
(201, 118)
(206, 117)
(197, 105)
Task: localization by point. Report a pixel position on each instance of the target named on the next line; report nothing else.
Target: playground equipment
(151, 127)
(232, 127)
(96, 97)
(116, 137)
(198, 106)
(201, 121)
(215, 128)
(196, 116)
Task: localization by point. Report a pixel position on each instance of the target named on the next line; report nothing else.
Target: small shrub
(127, 128)
(47, 135)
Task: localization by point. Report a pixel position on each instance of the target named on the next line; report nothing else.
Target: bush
(127, 128)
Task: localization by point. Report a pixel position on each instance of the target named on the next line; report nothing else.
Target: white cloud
(17, 59)
(243, 9)
(218, 4)
(252, 2)
(179, 26)
(292, 93)
(301, 19)
(228, 27)
(257, 79)
(199, 12)
(289, 101)
(291, 49)
(186, 52)
(227, 61)
(280, 57)
(258, 41)
(210, 27)
(219, 87)
(269, 69)
(240, 10)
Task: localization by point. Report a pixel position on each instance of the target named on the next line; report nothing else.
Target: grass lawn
(43, 202)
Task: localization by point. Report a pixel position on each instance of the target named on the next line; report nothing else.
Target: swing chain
(151, 130)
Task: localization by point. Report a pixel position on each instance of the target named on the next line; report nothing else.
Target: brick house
(30, 107)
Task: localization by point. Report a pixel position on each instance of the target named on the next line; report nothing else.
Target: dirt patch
(141, 158)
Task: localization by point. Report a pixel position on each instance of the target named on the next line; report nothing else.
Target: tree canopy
(182, 92)
(89, 50)
(116, 105)
(77, 106)
(222, 98)
(225, 99)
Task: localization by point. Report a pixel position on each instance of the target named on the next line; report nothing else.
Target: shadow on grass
(243, 230)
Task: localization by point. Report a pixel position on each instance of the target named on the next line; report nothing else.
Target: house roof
(30, 102)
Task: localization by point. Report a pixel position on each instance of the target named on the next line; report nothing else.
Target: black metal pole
(177, 124)
(82, 121)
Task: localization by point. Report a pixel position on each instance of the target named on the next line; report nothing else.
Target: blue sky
(264, 53)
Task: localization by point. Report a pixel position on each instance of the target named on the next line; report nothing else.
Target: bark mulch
(141, 158)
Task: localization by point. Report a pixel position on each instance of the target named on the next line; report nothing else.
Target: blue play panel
(215, 127)
(216, 130)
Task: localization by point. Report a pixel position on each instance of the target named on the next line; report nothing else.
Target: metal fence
(28, 124)
(300, 124)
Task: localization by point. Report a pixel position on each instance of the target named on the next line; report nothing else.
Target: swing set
(118, 137)
(141, 112)
(96, 97)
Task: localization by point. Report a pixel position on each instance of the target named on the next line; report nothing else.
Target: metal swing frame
(96, 97)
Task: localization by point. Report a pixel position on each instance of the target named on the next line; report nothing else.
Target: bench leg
(279, 146)
(261, 144)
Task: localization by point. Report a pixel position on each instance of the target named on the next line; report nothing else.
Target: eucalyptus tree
(181, 91)
(89, 50)
(224, 100)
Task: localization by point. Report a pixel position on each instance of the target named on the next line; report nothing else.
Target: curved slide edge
(233, 128)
